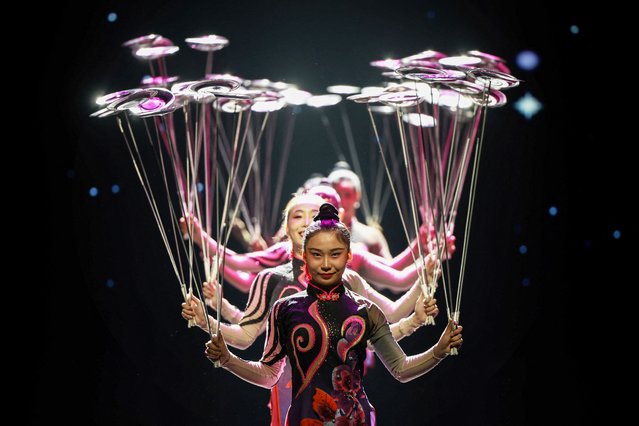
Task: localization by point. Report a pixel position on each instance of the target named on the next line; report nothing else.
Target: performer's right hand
(450, 338)
(209, 290)
(432, 264)
(425, 308)
(189, 224)
(192, 309)
(216, 349)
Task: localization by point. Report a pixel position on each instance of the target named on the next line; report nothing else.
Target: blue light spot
(525, 282)
(528, 106)
(617, 234)
(574, 29)
(70, 173)
(527, 60)
(523, 249)
(200, 187)
(115, 188)
(552, 211)
(430, 14)
(93, 191)
(587, 244)
(110, 283)
(112, 17)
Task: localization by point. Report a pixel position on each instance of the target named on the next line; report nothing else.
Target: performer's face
(347, 194)
(326, 257)
(299, 217)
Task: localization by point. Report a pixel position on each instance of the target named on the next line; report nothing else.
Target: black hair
(327, 219)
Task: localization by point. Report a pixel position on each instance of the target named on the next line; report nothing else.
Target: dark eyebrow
(333, 250)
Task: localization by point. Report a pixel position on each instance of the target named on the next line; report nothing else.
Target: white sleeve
(404, 368)
(393, 310)
(253, 321)
(255, 372)
(265, 372)
(237, 335)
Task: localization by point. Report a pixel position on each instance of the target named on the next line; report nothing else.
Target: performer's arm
(230, 312)
(264, 373)
(407, 326)
(407, 256)
(383, 276)
(393, 310)
(406, 368)
(240, 335)
(233, 260)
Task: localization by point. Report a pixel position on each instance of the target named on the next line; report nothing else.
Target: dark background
(121, 354)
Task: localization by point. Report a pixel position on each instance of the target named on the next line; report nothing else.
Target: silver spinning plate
(207, 43)
(155, 52)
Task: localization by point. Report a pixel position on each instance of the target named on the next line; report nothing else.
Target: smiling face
(326, 256)
(299, 217)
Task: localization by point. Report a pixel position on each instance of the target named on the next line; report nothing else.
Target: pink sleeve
(232, 260)
(383, 276)
(275, 255)
(241, 280)
(399, 262)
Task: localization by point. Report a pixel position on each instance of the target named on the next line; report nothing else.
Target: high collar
(323, 294)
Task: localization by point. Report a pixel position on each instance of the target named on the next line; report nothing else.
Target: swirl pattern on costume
(321, 356)
(297, 338)
(353, 329)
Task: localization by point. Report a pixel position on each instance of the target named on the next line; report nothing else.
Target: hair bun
(327, 211)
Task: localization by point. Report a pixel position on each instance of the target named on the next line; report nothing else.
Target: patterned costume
(324, 334)
(273, 284)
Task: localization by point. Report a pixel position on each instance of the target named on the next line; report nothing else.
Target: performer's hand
(190, 223)
(450, 246)
(216, 349)
(447, 249)
(431, 265)
(209, 289)
(258, 243)
(354, 279)
(184, 229)
(450, 338)
(192, 309)
(425, 232)
(425, 308)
